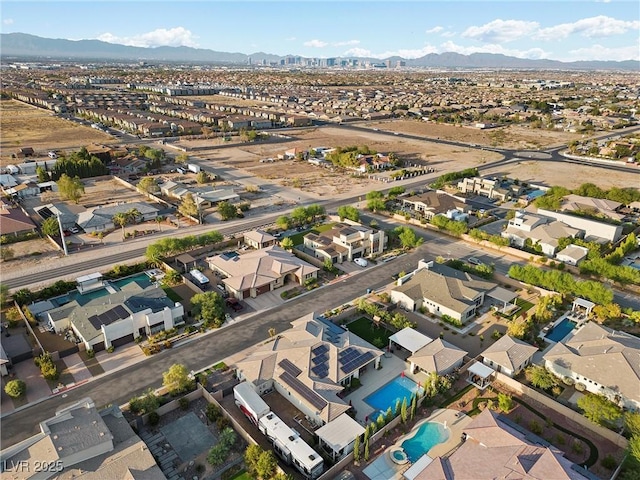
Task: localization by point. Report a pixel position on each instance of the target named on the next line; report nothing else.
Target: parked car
(234, 304)
(474, 261)
(361, 261)
(74, 230)
(223, 291)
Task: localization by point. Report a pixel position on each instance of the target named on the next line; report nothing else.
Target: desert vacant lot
(322, 181)
(513, 136)
(23, 125)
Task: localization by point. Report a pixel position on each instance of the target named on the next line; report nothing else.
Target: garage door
(122, 341)
(246, 293)
(98, 347)
(263, 289)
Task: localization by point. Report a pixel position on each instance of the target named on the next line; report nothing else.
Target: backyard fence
(618, 440)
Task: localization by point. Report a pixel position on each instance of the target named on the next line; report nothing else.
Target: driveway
(37, 387)
(120, 358)
(77, 368)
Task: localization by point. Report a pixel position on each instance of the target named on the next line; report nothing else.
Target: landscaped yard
(369, 331)
(242, 476)
(298, 238)
(524, 307)
(173, 296)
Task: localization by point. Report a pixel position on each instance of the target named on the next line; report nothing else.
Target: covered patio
(507, 298)
(409, 339)
(580, 305)
(338, 437)
(186, 261)
(480, 375)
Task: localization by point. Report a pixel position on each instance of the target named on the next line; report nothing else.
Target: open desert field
(566, 175)
(513, 137)
(324, 182)
(23, 125)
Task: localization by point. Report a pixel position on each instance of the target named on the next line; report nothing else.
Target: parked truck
(250, 402)
(192, 167)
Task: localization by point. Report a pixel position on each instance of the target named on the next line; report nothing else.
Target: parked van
(53, 155)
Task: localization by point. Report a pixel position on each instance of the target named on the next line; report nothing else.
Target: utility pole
(64, 242)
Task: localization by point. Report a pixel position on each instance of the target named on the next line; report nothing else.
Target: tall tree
(120, 219)
(209, 308)
(227, 210)
(70, 188)
(177, 380)
(599, 409)
(51, 227)
(148, 185)
(188, 206)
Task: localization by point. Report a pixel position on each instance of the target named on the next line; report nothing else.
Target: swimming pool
(561, 330)
(388, 395)
(141, 279)
(428, 435)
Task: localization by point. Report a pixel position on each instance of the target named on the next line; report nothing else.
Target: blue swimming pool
(141, 279)
(387, 396)
(561, 330)
(428, 435)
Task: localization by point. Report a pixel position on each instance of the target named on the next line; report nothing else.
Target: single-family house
(259, 239)
(438, 356)
(257, 272)
(68, 213)
(493, 188)
(432, 203)
(346, 242)
(604, 361)
(116, 318)
(82, 442)
(593, 230)
(509, 355)
(494, 448)
(309, 365)
(594, 206)
(99, 219)
(13, 221)
(441, 290)
(539, 230)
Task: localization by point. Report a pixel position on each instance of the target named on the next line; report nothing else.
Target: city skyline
(564, 31)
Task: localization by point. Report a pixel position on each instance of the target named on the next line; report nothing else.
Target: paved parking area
(121, 357)
(265, 301)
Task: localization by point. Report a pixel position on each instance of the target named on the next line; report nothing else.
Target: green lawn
(298, 238)
(173, 296)
(524, 307)
(367, 330)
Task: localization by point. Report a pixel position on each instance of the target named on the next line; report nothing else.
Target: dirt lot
(23, 125)
(324, 182)
(513, 137)
(568, 175)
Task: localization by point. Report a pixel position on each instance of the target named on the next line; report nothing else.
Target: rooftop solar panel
(320, 359)
(106, 318)
(289, 367)
(357, 362)
(319, 350)
(305, 392)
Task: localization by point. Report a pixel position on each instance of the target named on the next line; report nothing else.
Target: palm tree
(132, 215)
(159, 220)
(120, 220)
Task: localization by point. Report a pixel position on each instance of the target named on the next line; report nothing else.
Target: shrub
(47, 366)
(91, 353)
(609, 462)
(213, 412)
(577, 447)
(222, 423)
(580, 387)
(535, 427)
(154, 418)
(111, 349)
(15, 388)
(184, 403)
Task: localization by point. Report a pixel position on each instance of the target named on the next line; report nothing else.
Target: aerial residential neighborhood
(320, 262)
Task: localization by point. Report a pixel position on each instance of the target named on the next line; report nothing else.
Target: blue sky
(559, 30)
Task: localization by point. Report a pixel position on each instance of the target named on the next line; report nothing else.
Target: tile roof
(509, 352)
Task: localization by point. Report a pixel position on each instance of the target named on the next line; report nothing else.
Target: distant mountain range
(23, 45)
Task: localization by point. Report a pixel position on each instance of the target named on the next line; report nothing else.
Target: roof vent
(291, 438)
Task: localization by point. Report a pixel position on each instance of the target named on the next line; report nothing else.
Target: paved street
(205, 350)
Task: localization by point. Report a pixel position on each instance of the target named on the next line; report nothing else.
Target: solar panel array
(320, 359)
(289, 367)
(357, 361)
(321, 371)
(332, 332)
(320, 349)
(108, 317)
(305, 392)
(346, 355)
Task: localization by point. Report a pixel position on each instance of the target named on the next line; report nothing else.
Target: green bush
(213, 412)
(47, 366)
(15, 388)
(91, 353)
(111, 349)
(535, 427)
(154, 418)
(183, 403)
(609, 462)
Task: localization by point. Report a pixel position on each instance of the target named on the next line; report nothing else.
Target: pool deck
(383, 468)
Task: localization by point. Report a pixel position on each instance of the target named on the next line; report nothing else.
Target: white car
(474, 261)
(361, 261)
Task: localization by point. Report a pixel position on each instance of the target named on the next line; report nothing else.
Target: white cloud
(315, 44)
(357, 52)
(346, 43)
(501, 31)
(448, 34)
(532, 53)
(598, 52)
(437, 29)
(593, 27)
(7, 21)
(173, 37)
(290, 39)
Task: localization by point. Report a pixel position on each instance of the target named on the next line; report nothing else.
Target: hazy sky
(559, 30)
